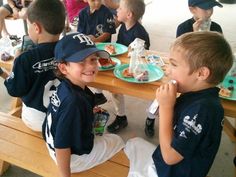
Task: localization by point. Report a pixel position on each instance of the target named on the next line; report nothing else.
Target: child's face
(81, 73)
(199, 13)
(94, 5)
(122, 12)
(179, 70)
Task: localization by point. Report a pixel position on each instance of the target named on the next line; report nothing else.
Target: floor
(161, 25)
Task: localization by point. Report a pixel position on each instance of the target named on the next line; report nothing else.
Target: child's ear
(203, 73)
(62, 68)
(37, 28)
(130, 15)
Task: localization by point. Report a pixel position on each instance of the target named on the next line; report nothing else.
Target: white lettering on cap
(83, 38)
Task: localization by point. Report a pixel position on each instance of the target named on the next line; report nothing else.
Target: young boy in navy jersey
(128, 13)
(98, 22)
(32, 78)
(190, 126)
(202, 10)
(68, 127)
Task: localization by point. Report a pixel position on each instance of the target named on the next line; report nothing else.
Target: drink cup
(206, 25)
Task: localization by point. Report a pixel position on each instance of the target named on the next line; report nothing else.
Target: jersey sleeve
(19, 82)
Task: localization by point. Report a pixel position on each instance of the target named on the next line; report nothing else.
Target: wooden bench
(26, 149)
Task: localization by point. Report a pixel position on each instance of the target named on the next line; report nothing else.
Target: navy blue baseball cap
(76, 47)
(204, 4)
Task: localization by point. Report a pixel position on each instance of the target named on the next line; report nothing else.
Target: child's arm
(166, 96)
(101, 38)
(63, 161)
(15, 10)
(3, 74)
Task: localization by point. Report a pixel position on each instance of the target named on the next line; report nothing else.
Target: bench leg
(3, 166)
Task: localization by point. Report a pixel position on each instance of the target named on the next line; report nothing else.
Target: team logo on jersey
(83, 39)
(190, 124)
(44, 65)
(55, 99)
(182, 134)
(99, 29)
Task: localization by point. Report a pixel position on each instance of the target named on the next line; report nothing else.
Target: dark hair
(49, 13)
(206, 49)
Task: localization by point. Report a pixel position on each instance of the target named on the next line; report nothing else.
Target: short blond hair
(206, 49)
(137, 7)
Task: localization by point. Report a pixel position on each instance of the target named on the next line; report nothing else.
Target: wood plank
(17, 124)
(24, 140)
(3, 166)
(28, 159)
(110, 169)
(120, 158)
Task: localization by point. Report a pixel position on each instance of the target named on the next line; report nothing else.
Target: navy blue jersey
(69, 121)
(197, 133)
(97, 23)
(125, 36)
(187, 26)
(32, 77)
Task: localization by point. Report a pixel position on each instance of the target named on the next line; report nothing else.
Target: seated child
(128, 13)
(190, 126)
(68, 127)
(32, 78)
(97, 21)
(202, 10)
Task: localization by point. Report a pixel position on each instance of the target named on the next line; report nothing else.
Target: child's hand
(15, 13)
(92, 38)
(197, 24)
(166, 94)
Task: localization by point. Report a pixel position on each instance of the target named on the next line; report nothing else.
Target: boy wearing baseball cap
(68, 127)
(202, 11)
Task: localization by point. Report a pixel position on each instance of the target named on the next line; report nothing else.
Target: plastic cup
(206, 25)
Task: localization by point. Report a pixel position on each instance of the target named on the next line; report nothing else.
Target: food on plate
(127, 74)
(110, 49)
(144, 76)
(106, 63)
(225, 92)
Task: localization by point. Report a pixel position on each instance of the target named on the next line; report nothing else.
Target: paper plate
(111, 67)
(155, 73)
(229, 81)
(120, 49)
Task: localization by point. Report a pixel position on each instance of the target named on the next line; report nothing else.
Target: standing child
(68, 127)
(190, 126)
(202, 10)
(97, 21)
(129, 13)
(32, 78)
